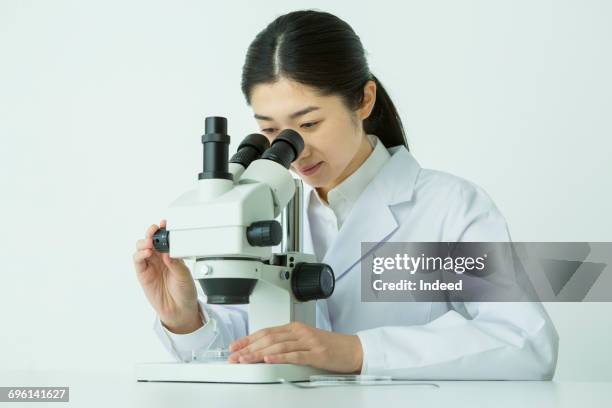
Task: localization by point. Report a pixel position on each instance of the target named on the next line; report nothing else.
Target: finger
(162, 224)
(275, 349)
(168, 260)
(238, 344)
(266, 341)
(146, 243)
(151, 230)
(263, 343)
(245, 341)
(293, 357)
(142, 255)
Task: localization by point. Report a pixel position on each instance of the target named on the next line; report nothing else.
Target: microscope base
(224, 372)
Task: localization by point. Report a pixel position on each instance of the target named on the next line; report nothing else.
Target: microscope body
(228, 226)
(211, 228)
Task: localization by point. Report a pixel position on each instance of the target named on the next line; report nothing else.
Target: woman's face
(333, 134)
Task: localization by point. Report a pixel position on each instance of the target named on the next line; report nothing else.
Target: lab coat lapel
(372, 219)
(307, 245)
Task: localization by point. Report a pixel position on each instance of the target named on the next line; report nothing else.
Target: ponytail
(384, 121)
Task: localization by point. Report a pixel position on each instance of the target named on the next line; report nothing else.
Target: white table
(119, 388)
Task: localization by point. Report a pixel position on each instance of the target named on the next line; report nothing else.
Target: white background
(102, 105)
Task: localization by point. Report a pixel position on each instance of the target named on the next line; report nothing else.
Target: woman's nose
(305, 153)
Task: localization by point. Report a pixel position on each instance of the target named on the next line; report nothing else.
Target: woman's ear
(369, 99)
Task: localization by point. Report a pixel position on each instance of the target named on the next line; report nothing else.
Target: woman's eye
(309, 125)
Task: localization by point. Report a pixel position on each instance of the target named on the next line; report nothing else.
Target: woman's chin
(312, 181)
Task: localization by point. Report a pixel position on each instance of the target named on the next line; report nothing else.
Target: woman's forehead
(282, 98)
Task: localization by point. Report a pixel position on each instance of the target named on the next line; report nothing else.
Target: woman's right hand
(168, 285)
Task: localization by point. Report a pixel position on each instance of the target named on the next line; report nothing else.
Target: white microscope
(228, 226)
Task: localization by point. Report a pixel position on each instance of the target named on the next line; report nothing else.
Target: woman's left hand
(298, 343)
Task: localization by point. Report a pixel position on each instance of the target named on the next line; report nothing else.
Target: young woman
(307, 71)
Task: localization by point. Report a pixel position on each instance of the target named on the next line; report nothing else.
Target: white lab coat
(413, 340)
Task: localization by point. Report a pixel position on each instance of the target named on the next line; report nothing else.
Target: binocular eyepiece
(284, 149)
(287, 147)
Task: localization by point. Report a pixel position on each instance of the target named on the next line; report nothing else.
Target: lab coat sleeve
(475, 340)
(223, 324)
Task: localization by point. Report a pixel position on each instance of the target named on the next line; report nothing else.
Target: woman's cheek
(327, 173)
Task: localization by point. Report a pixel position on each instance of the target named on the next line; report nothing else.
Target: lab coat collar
(371, 219)
(351, 188)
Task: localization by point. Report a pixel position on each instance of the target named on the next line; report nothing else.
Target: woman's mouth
(310, 170)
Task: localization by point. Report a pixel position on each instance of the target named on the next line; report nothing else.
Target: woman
(307, 71)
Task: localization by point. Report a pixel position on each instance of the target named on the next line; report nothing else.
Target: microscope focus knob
(310, 281)
(161, 240)
(264, 233)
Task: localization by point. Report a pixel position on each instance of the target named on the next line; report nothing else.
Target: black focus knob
(264, 233)
(161, 240)
(311, 281)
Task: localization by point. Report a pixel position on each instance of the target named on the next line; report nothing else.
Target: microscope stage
(223, 372)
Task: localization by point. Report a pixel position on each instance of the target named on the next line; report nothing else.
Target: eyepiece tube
(215, 142)
(215, 124)
(285, 148)
(250, 149)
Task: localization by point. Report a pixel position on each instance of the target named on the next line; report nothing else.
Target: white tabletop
(119, 388)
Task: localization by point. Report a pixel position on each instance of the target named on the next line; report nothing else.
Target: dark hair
(320, 50)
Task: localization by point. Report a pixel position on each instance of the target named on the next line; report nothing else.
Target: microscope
(228, 225)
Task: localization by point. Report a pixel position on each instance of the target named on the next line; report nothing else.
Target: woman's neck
(365, 149)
